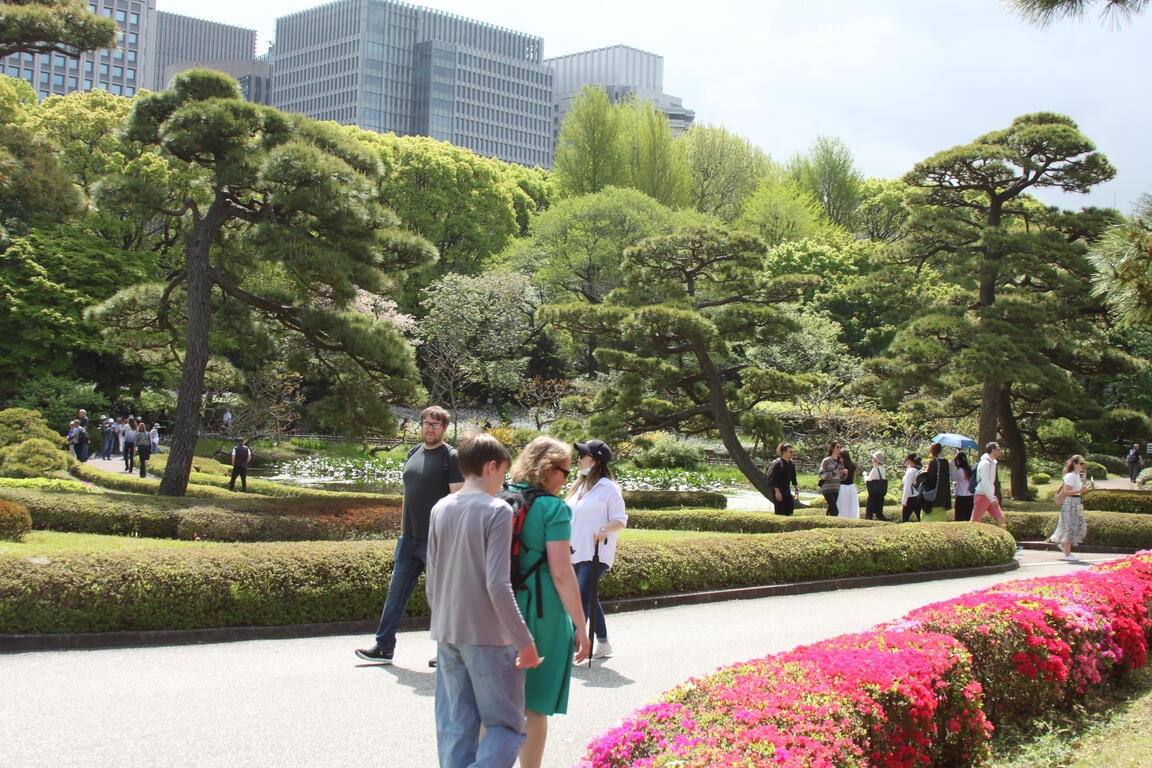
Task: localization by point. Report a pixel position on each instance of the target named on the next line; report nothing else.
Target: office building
(391, 67)
(623, 72)
(122, 71)
(184, 42)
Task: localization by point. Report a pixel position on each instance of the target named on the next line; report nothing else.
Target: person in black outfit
(781, 474)
(241, 455)
(832, 473)
(1133, 461)
(877, 483)
(939, 475)
(962, 473)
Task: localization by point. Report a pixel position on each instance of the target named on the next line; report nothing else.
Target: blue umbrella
(956, 441)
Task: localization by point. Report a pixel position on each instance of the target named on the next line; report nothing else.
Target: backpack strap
(534, 571)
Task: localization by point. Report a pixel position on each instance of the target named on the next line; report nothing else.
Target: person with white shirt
(984, 494)
(597, 515)
(1072, 526)
(909, 497)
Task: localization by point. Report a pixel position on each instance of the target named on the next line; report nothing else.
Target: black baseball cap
(597, 449)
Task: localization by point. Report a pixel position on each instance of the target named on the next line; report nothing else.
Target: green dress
(546, 686)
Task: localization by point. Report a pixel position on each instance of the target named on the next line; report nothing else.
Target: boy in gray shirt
(475, 621)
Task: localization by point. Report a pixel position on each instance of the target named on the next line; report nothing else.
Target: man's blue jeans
(109, 441)
(584, 576)
(408, 564)
(478, 684)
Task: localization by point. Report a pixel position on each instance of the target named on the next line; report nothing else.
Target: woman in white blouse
(597, 514)
(1072, 527)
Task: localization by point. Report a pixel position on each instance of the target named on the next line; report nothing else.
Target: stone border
(1097, 549)
(135, 639)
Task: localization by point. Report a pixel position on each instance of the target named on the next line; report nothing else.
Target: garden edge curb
(149, 638)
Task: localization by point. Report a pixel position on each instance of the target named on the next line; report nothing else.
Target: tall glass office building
(392, 67)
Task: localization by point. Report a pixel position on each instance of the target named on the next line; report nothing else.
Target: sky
(896, 80)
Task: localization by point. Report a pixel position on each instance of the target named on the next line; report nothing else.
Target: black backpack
(521, 501)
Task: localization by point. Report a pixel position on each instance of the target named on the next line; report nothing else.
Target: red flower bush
(917, 692)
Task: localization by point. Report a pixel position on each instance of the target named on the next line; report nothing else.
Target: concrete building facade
(122, 71)
(392, 67)
(624, 72)
(184, 42)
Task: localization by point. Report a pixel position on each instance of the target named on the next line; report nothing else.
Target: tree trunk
(989, 412)
(186, 424)
(727, 427)
(1014, 444)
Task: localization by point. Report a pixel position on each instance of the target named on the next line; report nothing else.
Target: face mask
(585, 472)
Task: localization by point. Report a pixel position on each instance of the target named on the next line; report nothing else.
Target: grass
(42, 543)
(1110, 730)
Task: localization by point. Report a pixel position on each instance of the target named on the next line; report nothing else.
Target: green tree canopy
(675, 337)
(53, 26)
(828, 172)
(289, 226)
(1123, 260)
(589, 152)
(781, 210)
(655, 163)
(725, 170)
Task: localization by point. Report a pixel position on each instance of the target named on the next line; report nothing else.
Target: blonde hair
(539, 456)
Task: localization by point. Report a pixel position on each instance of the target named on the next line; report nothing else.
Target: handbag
(1060, 495)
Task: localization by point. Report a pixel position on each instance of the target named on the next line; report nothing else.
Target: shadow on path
(421, 683)
(599, 676)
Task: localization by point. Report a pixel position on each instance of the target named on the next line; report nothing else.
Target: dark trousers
(832, 497)
(964, 508)
(143, 467)
(786, 505)
(912, 508)
(82, 451)
(1133, 472)
(129, 456)
(106, 448)
(585, 574)
(242, 473)
(874, 507)
(407, 564)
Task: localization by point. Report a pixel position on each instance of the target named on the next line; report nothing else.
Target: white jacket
(986, 472)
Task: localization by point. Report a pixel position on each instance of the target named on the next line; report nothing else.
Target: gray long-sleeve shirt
(468, 583)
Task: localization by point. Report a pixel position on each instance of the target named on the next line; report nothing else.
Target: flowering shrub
(920, 691)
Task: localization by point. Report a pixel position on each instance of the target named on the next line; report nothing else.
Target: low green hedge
(674, 499)
(736, 522)
(1105, 529)
(310, 582)
(1114, 464)
(15, 522)
(238, 518)
(1115, 500)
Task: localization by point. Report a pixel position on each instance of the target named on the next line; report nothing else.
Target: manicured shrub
(1105, 529)
(20, 424)
(211, 524)
(736, 522)
(1095, 471)
(1115, 500)
(1114, 464)
(665, 453)
(1040, 478)
(33, 458)
(121, 514)
(48, 484)
(674, 499)
(304, 582)
(15, 521)
(921, 691)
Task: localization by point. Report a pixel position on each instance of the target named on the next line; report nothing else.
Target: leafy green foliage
(58, 399)
(15, 522)
(20, 424)
(53, 26)
(1123, 260)
(33, 458)
(725, 169)
(782, 210)
(829, 173)
(1105, 529)
(589, 153)
(737, 522)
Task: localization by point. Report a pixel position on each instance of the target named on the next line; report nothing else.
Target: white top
(909, 480)
(602, 504)
(876, 473)
(963, 482)
(1073, 481)
(987, 472)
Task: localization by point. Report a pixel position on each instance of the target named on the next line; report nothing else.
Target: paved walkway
(115, 465)
(310, 703)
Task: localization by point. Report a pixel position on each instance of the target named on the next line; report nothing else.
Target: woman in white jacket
(597, 514)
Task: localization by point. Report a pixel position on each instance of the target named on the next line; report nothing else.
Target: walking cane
(592, 598)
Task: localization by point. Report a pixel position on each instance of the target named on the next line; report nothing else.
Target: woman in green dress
(551, 604)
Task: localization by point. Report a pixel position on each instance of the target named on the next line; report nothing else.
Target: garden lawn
(41, 543)
(1125, 743)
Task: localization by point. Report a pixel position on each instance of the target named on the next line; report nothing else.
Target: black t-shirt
(425, 483)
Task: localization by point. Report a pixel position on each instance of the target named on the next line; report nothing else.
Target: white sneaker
(1070, 559)
(603, 650)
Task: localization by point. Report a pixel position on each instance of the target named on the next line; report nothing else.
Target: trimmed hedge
(309, 582)
(15, 522)
(1114, 464)
(1105, 529)
(1115, 500)
(674, 499)
(736, 522)
(161, 517)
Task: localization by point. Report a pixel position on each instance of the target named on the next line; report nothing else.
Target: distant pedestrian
(984, 499)
(128, 436)
(909, 497)
(877, 483)
(848, 502)
(143, 447)
(482, 642)
(785, 490)
(117, 429)
(82, 418)
(241, 455)
(73, 428)
(1072, 527)
(154, 438)
(227, 419)
(83, 443)
(1134, 462)
(962, 475)
(832, 473)
(107, 438)
(938, 480)
(597, 506)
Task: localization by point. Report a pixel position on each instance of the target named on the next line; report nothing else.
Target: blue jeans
(584, 577)
(408, 563)
(109, 441)
(478, 684)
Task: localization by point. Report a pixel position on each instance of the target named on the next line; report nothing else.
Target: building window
(118, 73)
(121, 16)
(104, 70)
(57, 79)
(87, 85)
(133, 18)
(88, 67)
(72, 83)
(131, 74)
(129, 91)
(131, 55)
(116, 90)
